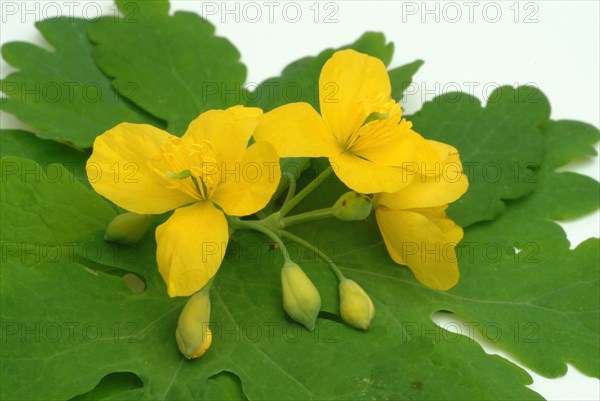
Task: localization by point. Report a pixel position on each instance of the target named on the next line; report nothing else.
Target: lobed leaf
(62, 93)
(500, 145)
(124, 332)
(45, 152)
(187, 70)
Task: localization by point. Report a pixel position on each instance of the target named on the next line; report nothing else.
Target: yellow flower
(210, 170)
(413, 222)
(360, 128)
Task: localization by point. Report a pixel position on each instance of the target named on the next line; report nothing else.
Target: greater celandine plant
(212, 179)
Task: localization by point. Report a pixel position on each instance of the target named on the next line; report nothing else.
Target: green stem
(291, 188)
(285, 209)
(235, 222)
(311, 247)
(261, 214)
(304, 217)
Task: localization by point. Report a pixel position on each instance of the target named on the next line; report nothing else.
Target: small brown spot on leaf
(416, 385)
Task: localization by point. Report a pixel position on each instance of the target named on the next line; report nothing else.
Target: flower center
(379, 114)
(191, 168)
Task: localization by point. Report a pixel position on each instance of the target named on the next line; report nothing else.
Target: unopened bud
(352, 206)
(193, 334)
(128, 228)
(356, 307)
(301, 300)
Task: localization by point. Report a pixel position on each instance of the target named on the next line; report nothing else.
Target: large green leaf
(500, 145)
(539, 303)
(66, 320)
(62, 93)
(186, 71)
(401, 77)
(26, 145)
(545, 297)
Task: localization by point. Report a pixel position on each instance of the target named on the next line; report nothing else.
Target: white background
(471, 46)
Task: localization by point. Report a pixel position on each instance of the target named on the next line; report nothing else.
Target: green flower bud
(356, 307)
(352, 206)
(301, 300)
(193, 334)
(128, 228)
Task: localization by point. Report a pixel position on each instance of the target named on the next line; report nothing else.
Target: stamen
(190, 168)
(375, 116)
(204, 188)
(376, 108)
(179, 176)
(202, 191)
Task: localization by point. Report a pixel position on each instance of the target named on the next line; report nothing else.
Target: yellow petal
(224, 133)
(118, 169)
(249, 184)
(442, 185)
(427, 191)
(452, 231)
(353, 85)
(426, 246)
(367, 177)
(297, 130)
(190, 247)
(390, 144)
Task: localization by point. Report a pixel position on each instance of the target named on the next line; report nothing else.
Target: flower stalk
(307, 245)
(292, 203)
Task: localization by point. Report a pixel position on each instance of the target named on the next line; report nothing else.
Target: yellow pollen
(378, 114)
(190, 168)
